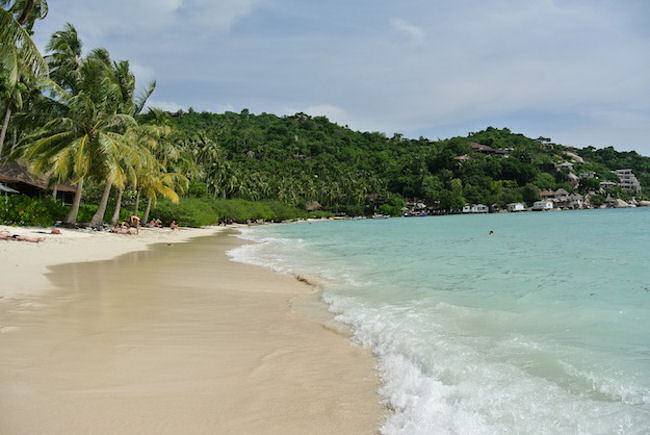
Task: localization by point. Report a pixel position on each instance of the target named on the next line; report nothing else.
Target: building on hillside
(516, 206)
(16, 176)
(477, 147)
(559, 195)
(607, 185)
(588, 175)
(628, 180)
(543, 205)
(574, 201)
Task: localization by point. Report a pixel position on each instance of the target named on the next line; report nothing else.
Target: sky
(577, 71)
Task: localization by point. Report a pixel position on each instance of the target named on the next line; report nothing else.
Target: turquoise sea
(541, 328)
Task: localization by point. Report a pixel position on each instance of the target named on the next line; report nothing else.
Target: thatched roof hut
(18, 176)
(313, 206)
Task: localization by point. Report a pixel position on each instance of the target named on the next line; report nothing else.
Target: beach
(109, 334)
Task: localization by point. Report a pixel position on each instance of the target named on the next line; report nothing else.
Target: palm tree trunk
(71, 218)
(137, 202)
(5, 123)
(118, 206)
(15, 141)
(145, 218)
(98, 217)
(54, 191)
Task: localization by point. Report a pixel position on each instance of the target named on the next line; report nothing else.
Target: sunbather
(4, 235)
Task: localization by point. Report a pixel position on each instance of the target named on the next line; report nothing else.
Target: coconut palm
(64, 58)
(154, 182)
(26, 12)
(20, 59)
(121, 81)
(86, 139)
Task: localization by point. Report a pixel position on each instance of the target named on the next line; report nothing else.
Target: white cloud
(525, 65)
(402, 26)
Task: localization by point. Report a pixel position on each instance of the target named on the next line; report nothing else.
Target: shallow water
(543, 327)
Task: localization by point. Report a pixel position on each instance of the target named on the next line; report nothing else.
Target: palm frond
(13, 34)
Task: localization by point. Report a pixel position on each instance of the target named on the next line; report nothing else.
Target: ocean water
(542, 328)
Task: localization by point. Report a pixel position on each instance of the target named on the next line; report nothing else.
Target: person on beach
(121, 228)
(173, 225)
(134, 222)
(4, 235)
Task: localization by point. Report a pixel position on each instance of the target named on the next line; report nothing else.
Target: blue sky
(575, 70)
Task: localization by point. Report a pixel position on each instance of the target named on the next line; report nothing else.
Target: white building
(475, 208)
(516, 206)
(543, 205)
(628, 180)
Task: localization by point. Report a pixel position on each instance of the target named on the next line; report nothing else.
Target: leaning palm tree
(121, 81)
(85, 140)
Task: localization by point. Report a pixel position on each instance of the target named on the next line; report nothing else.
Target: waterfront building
(516, 206)
(543, 205)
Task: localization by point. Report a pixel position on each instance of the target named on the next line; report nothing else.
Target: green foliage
(530, 193)
(298, 159)
(197, 212)
(86, 212)
(189, 212)
(24, 210)
(197, 189)
(596, 200)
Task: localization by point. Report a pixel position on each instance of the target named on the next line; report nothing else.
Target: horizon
(574, 71)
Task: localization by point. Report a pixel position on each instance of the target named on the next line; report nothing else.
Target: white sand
(23, 265)
(173, 340)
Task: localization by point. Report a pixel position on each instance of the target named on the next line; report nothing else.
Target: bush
(25, 210)
(86, 212)
(189, 212)
(196, 212)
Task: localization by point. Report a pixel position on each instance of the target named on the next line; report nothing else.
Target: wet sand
(179, 339)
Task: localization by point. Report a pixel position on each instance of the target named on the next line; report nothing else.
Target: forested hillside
(301, 159)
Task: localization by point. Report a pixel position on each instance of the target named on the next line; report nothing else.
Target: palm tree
(84, 141)
(122, 83)
(64, 58)
(156, 182)
(20, 59)
(26, 11)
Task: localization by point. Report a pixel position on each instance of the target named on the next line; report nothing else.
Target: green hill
(301, 159)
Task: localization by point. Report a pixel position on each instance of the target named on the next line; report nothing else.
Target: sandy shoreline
(174, 339)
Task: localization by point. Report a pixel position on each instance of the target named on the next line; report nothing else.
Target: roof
(15, 172)
(481, 147)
